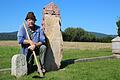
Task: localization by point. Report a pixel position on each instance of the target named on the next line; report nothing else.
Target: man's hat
(30, 15)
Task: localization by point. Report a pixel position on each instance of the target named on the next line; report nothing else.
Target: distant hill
(13, 35)
(8, 36)
(102, 35)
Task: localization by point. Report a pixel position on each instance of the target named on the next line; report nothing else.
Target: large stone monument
(51, 24)
(18, 65)
(116, 47)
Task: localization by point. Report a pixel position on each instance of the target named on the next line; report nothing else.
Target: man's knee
(43, 47)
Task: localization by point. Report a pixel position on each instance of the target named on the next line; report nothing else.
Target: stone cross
(51, 24)
(18, 65)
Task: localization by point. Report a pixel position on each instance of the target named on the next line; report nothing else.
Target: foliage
(80, 35)
(73, 34)
(8, 36)
(104, 39)
(118, 25)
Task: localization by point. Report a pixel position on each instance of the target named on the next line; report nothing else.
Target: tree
(80, 35)
(118, 25)
(73, 34)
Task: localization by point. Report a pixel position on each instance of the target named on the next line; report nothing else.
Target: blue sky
(91, 15)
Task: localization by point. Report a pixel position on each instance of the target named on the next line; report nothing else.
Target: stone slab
(18, 65)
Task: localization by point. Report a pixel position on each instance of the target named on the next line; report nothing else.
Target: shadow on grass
(34, 69)
(37, 77)
(65, 63)
(31, 69)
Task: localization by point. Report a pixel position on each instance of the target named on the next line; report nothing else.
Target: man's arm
(20, 35)
(28, 42)
(32, 43)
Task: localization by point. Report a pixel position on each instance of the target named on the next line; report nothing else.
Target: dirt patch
(9, 43)
(86, 45)
(69, 45)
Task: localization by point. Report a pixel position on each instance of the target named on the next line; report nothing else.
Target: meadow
(97, 70)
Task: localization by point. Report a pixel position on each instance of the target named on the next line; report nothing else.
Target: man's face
(30, 23)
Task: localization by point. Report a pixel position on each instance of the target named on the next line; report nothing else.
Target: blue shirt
(37, 36)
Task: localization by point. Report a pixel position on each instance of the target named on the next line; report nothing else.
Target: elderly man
(37, 42)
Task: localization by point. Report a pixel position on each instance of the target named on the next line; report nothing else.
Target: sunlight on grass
(6, 54)
(73, 54)
(97, 70)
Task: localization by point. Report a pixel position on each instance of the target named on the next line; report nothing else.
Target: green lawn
(74, 54)
(6, 54)
(97, 70)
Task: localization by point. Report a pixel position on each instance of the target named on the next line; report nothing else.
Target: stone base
(116, 55)
(18, 65)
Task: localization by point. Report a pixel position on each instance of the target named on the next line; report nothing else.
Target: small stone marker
(116, 47)
(19, 65)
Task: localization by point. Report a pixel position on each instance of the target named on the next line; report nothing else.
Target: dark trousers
(30, 57)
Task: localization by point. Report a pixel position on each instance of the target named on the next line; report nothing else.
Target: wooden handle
(38, 65)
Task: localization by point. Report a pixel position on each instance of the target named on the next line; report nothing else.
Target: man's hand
(31, 42)
(32, 47)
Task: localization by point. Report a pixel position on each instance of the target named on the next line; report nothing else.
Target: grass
(6, 54)
(98, 70)
(74, 54)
